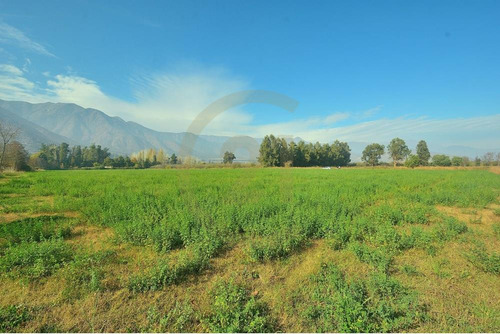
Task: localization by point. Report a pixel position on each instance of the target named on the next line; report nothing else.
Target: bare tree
(488, 159)
(7, 134)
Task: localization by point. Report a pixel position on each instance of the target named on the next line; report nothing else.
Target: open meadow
(250, 250)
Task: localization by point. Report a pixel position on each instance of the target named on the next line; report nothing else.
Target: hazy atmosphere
(360, 72)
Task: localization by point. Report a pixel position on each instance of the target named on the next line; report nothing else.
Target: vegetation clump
(35, 260)
(378, 304)
(234, 310)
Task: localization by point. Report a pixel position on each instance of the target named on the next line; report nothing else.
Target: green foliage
(449, 229)
(480, 258)
(35, 259)
(457, 161)
(398, 150)
(12, 316)
(233, 310)
(276, 247)
(378, 304)
(192, 262)
(423, 153)
(412, 161)
(228, 157)
(35, 229)
(85, 273)
(372, 154)
(276, 152)
(441, 160)
(379, 258)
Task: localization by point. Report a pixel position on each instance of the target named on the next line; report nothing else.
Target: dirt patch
(495, 169)
(475, 218)
(10, 217)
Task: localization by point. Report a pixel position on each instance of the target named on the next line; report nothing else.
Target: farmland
(250, 249)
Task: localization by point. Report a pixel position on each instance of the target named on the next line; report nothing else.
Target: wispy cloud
(14, 36)
(170, 101)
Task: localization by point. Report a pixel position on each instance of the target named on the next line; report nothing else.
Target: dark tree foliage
(228, 157)
(16, 156)
(441, 160)
(372, 154)
(61, 156)
(398, 150)
(276, 152)
(423, 153)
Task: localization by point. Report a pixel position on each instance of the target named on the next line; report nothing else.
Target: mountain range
(53, 123)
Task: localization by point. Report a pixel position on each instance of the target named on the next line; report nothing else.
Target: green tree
(63, 155)
(341, 153)
(76, 156)
(398, 150)
(173, 159)
(423, 153)
(372, 153)
(228, 157)
(273, 151)
(457, 161)
(441, 160)
(412, 161)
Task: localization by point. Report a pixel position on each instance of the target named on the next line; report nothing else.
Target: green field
(250, 249)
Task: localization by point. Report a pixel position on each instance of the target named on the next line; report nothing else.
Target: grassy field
(250, 250)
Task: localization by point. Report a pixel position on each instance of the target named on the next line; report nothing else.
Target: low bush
(378, 304)
(12, 316)
(233, 310)
(85, 273)
(192, 262)
(276, 247)
(36, 259)
(449, 229)
(480, 258)
(35, 229)
(380, 258)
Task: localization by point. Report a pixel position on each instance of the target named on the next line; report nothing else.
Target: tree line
(274, 152)
(63, 156)
(277, 152)
(399, 153)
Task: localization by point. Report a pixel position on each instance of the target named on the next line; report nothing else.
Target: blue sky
(361, 71)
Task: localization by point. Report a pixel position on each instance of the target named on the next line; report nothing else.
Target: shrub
(85, 273)
(480, 258)
(378, 257)
(233, 310)
(35, 229)
(378, 304)
(36, 260)
(12, 316)
(192, 262)
(449, 229)
(276, 247)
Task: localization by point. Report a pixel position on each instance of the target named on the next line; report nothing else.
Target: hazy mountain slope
(87, 126)
(32, 135)
(57, 122)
